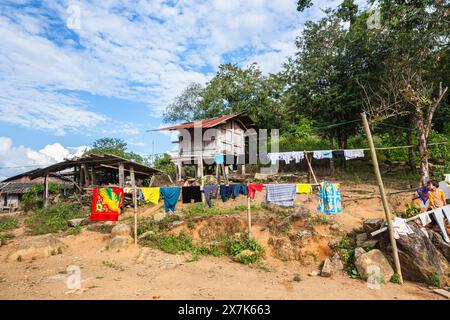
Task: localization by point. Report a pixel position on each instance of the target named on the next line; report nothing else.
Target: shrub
(395, 278)
(8, 223)
(54, 218)
(5, 237)
(33, 199)
(435, 280)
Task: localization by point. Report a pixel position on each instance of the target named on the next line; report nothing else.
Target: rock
(368, 260)
(360, 239)
(314, 273)
(371, 225)
(419, 258)
(119, 242)
(300, 213)
(358, 252)
(327, 268)
(146, 234)
(77, 222)
(38, 247)
(337, 262)
(305, 234)
(159, 216)
(121, 230)
(439, 242)
(370, 244)
(143, 254)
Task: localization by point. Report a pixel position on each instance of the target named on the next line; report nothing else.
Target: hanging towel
(439, 216)
(330, 198)
(353, 154)
(171, 195)
(225, 192)
(322, 154)
(236, 189)
(253, 188)
(425, 218)
(400, 228)
(151, 195)
(298, 156)
(446, 211)
(274, 157)
(219, 159)
(304, 188)
(281, 194)
(423, 194)
(192, 193)
(106, 203)
(338, 154)
(210, 192)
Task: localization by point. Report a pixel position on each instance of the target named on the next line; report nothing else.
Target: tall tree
(113, 146)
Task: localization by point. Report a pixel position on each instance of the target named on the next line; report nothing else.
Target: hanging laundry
(422, 192)
(273, 157)
(210, 192)
(400, 228)
(286, 157)
(140, 194)
(281, 194)
(237, 189)
(192, 193)
(330, 198)
(304, 188)
(225, 192)
(446, 211)
(298, 156)
(425, 218)
(439, 217)
(171, 196)
(151, 195)
(106, 203)
(253, 188)
(338, 154)
(219, 159)
(353, 154)
(322, 154)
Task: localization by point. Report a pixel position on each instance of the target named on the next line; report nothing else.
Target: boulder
(360, 239)
(419, 258)
(375, 258)
(327, 268)
(38, 247)
(77, 222)
(370, 244)
(119, 242)
(337, 262)
(371, 225)
(439, 242)
(121, 230)
(358, 252)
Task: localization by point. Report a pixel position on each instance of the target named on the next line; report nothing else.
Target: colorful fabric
(330, 198)
(253, 188)
(106, 204)
(151, 195)
(423, 194)
(304, 188)
(171, 195)
(210, 192)
(281, 194)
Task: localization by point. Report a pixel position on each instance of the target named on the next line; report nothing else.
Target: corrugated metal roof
(210, 123)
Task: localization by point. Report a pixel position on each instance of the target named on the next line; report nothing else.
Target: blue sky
(75, 71)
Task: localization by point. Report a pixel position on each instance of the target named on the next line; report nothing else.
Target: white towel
(425, 218)
(400, 228)
(353, 154)
(274, 157)
(446, 211)
(439, 216)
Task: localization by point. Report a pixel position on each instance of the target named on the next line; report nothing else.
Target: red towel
(252, 188)
(106, 203)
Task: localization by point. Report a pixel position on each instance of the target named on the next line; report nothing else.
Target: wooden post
(81, 177)
(46, 190)
(93, 177)
(249, 216)
(383, 196)
(133, 185)
(121, 175)
(311, 169)
(86, 175)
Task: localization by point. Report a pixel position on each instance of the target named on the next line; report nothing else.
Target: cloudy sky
(75, 71)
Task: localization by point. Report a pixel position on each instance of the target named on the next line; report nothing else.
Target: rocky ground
(113, 268)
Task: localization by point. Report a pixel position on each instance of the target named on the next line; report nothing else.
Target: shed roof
(246, 121)
(16, 188)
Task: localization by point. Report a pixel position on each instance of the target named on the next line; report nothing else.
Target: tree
(113, 146)
(165, 164)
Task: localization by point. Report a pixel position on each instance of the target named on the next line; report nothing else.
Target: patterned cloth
(330, 198)
(171, 195)
(106, 203)
(253, 188)
(423, 194)
(281, 194)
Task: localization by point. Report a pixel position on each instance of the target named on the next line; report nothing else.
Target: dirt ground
(170, 277)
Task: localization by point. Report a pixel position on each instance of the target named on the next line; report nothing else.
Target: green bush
(347, 252)
(5, 237)
(54, 218)
(32, 199)
(8, 223)
(435, 280)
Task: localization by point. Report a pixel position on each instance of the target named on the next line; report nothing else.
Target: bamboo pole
(310, 168)
(249, 217)
(133, 185)
(383, 196)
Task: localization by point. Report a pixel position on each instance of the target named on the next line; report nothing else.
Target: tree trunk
(411, 157)
(423, 151)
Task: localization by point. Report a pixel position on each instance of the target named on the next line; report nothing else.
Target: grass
(202, 210)
(5, 237)
(8, 223)
(347, 252)
(113, 265)
(76, 230)
(435, 280)
(54, 218)
(395, 278)
(318, 219)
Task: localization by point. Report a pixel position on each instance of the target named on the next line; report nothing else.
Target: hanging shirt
(274, 157)
(281, 194)
(140, 194)
(322, 154)
(219, 159)
(192, 193)
(330, 198)
(304, 188)
(151, 195)
(237, 189)
(253, 188)
(353, 154)
(298, 156)
(437, 198)
(171, 195)
(439, 216)
(338, 154)
(106, 203)
(210, 192)
(425, 218)
(400, 228)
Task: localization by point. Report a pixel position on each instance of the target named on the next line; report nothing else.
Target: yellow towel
(151, 195)
(304, 188)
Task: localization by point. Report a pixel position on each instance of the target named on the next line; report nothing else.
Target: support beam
(133, 186)
(85, 170)
(46, 190)
(121, 175)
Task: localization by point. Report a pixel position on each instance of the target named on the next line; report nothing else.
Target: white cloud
(18, 159)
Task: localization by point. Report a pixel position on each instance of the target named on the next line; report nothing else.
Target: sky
(75, 71)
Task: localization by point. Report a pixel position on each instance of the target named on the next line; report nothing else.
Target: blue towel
(219, 159)
(210, 192)
(330, 198)
(281, 194)
(236, 189)
(171, 195)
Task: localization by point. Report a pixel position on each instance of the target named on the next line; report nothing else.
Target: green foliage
(76, 230)
(33, 199)
(113, 146)
(318, 219)
(54, 218)
(346, 250)
(5, 237)
(113, 265)
(165, 164)
(435, 279)
(411, 211)
(8, 223)
(395, 278)
(202, 210)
